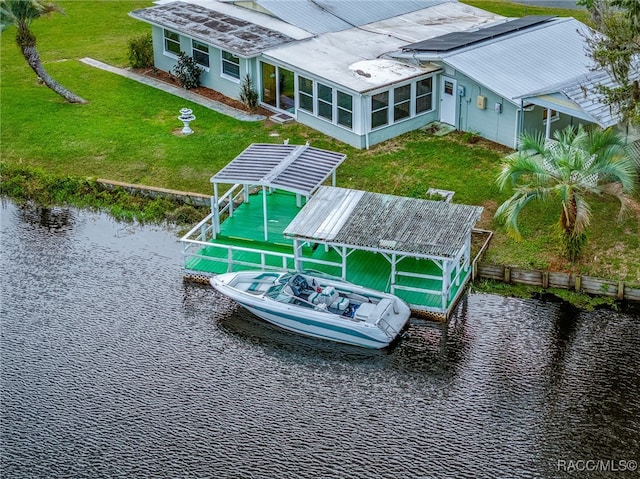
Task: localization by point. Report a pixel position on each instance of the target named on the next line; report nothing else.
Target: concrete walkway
(176, 90)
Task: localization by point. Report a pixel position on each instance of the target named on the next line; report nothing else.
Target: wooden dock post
(507, 274)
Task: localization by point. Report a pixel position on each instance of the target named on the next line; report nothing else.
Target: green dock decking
(279, 216)
(245, 231)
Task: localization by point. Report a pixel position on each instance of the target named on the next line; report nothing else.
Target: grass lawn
(127, 132)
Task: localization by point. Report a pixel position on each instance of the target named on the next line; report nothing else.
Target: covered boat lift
(405, 231)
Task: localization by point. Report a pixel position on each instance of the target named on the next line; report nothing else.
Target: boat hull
(314, 321)
(371, 338)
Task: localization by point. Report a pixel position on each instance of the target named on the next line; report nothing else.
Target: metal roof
(322, 16)
(516, 64)
(385, 223)
(297, 168)
(585, 94)
(455, 40)
(338, 56)
(582, 93)
(222, 30)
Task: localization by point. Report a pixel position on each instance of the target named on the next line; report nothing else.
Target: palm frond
(583, 215)
(627, 203)
(509, 211)
(522, 167)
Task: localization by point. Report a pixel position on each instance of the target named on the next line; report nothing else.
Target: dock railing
(202, 237)
(225, 205)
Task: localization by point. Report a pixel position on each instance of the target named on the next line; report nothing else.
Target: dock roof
(296, 168)
(385, 223)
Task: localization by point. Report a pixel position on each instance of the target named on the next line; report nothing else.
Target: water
(112, 367)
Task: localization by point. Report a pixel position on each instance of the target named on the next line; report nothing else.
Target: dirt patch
(476, 141)
(202, 91)
(490, 207)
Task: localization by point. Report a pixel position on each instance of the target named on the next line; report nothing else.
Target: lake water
(112, 367)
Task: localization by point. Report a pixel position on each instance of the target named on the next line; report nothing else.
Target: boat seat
(330, 297)
(340, 304)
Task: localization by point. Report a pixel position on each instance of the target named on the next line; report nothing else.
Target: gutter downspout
(364, 121)
(519, 124)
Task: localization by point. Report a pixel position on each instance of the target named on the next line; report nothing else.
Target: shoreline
(585, 292)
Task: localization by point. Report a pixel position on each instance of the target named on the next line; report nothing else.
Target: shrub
(141, 51)
(187, 71)
(471, 136)
(248, 94)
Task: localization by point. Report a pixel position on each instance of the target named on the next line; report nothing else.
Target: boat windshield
(276, 293)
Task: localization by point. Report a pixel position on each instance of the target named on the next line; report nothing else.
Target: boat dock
(278, 216)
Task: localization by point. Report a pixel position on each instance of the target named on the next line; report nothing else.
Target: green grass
(515, 9)
(127, 132)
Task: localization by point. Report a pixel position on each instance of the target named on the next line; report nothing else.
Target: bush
(187, 71)
(141, 51)
(248, 94)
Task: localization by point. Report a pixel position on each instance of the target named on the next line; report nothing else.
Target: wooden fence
(551, 279)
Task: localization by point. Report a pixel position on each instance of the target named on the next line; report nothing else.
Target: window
(380, 109)
(345, 109)
(230, 65)
(171, 42)
(325, 102)
(200, 53)
(401, 102)
(305, 94)
(424, 94)
(554, 115)
(448, 87)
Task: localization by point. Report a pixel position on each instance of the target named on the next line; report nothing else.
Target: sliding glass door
(278, 88)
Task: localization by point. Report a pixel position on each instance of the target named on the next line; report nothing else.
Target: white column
(394, 260)
(446, 280)
(344, 262)
(547, 131)
(215, 209)
(264, 213)
(297, 255)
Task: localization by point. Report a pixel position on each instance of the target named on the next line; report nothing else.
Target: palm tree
(578, 164)
(21, 13)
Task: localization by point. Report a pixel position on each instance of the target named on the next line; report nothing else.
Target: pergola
(299, 169)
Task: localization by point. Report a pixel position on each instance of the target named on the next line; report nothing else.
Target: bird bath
(186, 117)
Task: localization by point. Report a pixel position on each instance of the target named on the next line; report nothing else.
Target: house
(365, 75)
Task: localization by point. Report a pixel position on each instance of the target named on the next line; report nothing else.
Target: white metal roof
(582, 93)
(296, 168)
(530, 60)
(385, 223)
(333, 55)
(322, 16)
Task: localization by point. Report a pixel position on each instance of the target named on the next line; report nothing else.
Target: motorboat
(318, 305)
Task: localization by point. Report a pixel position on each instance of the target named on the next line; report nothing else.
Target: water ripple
(112, 367)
